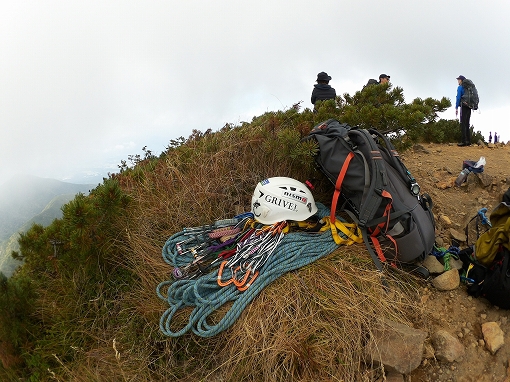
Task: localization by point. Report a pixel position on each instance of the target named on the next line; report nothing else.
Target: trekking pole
(483, 217)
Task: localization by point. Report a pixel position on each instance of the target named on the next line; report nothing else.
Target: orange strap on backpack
(338, 185)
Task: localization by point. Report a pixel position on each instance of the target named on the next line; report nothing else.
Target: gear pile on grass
(219, 270)
(308, 324)
(234, 259)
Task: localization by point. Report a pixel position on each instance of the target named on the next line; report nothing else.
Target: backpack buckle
(415, 189)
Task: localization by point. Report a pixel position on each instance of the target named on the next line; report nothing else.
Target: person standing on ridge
(384, 79)
(490, 137)
(322, 90)
(465, 114)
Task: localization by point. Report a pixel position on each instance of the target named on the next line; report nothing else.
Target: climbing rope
(446, 254)
(238, 271)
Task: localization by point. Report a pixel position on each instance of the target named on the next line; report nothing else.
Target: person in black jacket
(371, 82)
(384, 79)
(322, 90)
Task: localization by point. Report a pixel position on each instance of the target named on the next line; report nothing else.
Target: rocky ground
(436, 167)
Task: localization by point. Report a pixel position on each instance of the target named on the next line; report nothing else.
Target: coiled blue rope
(296, 250)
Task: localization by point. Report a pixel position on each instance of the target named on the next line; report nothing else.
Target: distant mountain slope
(8, 264)
(28, 200)
(51, 212)
(23, 197)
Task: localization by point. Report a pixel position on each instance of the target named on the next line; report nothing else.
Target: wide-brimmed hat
(323, 76)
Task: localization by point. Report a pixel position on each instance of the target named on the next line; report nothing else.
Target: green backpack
(489, 242)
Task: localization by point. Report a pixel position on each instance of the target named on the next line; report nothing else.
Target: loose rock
(433, 264)
(456, 264)
(445, 220)
(493, 336)
(457, 235)
(484, 179)
(447, 347)
(398, 347)
(449, 280)
(393, 376)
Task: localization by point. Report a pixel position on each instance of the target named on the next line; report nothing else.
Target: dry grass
(309, 325)
(313, 324)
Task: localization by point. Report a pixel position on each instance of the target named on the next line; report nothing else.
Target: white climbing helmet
(280, 198)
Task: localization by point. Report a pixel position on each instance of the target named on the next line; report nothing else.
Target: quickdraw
(205, 244)
(240, 247)
(251, 254)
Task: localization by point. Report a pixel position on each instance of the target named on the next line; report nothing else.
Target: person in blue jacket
(322, 90)
(465, 114)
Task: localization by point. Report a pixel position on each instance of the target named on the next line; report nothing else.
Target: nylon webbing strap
(375, 258)
(338, 185)
(378, 249)
(383, 225)
(350, 232)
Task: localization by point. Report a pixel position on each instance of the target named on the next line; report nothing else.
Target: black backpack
(491, 282)
(470, 97)
(371, 82)
(377, 191)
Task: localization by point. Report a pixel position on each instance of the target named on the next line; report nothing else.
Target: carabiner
(240, 283)
(220, 273)
(247, 285)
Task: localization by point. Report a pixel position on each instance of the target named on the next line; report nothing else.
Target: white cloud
(81, 82)
(120, 147)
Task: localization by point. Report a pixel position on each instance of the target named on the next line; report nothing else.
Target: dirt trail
(436, 167)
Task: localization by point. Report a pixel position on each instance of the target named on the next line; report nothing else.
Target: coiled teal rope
(296, 250)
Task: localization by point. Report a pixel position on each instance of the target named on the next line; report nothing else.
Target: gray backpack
(470, 97)
(377, 191)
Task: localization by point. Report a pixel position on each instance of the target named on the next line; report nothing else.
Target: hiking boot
(463, 144)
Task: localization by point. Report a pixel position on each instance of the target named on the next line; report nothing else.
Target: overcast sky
(83, 85)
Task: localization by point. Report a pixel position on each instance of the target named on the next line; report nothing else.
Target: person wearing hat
(465, 114)
(384, 79)
(322, 90)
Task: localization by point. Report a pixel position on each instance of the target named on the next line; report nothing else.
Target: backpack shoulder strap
(396, 162)
(338, 185)
(379, 178)
(373, 206)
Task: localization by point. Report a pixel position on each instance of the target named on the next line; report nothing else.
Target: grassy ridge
(91, 312)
